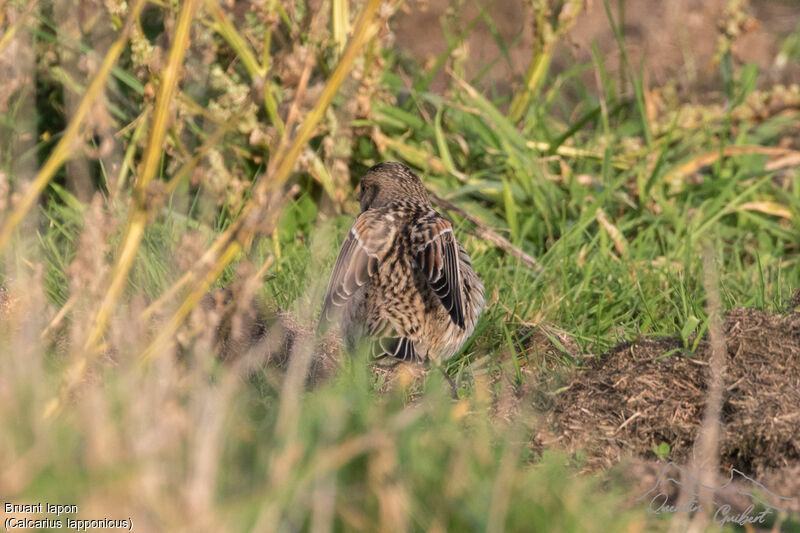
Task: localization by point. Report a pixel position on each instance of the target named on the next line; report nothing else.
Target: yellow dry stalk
(258, 72)
(540, 62)
(340, 19)
(165, 336)
(364, 31)
(578, 153)
(187, 168)
(417, 156)
(64, 149)
(130, 152)
(764, 206)
(675, 177)
(8, 36)
(616, 235)
(208, 257)
(224, 27)
(137, 220)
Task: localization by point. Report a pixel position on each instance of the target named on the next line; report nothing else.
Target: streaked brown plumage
(401, 277)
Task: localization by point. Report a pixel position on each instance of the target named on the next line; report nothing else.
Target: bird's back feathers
(401, 276)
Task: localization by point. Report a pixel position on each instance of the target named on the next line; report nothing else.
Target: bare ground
(615, 409)
(673, 40)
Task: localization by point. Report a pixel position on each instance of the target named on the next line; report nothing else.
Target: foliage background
(153, 150)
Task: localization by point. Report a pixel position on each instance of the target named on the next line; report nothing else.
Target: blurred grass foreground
(176, 177)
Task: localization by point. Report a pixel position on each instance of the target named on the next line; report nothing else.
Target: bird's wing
(436, 255)
(365, 246)
(400, 347)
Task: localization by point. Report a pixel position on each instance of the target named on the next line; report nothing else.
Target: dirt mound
(647, 393)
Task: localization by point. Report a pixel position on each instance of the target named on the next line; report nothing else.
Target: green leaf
(511, 210)
(441, 143)
(661, 451)
(689, 326)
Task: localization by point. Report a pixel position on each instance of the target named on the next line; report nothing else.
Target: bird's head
(386, 183)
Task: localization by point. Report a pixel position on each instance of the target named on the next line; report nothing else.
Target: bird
(401, 279)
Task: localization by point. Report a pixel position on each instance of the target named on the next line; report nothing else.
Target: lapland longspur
(401, 277)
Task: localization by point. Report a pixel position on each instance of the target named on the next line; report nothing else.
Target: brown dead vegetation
(622, 404)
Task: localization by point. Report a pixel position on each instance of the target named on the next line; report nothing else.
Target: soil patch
(643, 394)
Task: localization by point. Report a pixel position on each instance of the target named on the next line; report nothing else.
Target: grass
(614, 201)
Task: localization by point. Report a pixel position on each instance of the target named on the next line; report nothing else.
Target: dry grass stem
(139, 214)
(65, 147)
(151, 160)
(487, 233)
(239, 229)
(705, 460)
